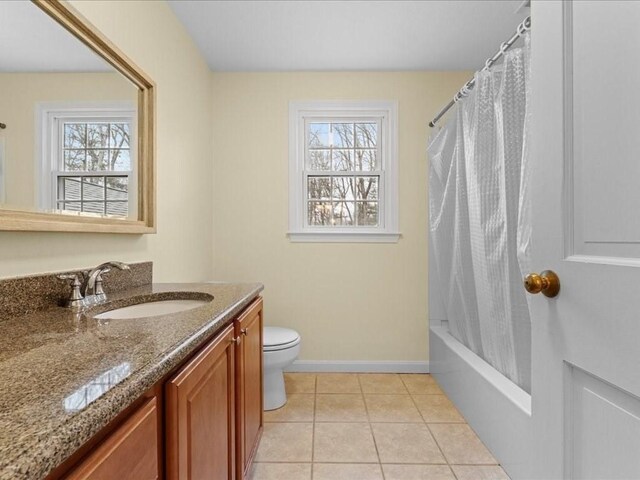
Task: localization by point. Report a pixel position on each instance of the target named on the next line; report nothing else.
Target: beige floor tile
(335, 407)
(299, 408)
(437, 409)
(420, 384)
(344, 443)
(346, 471)
(392, 408)
(286, 442)
(300, 382)
(381, 383)
(280, 471)
(406, 443)
(417, 472)
(460, 444)
(338, 383)
(475, 472)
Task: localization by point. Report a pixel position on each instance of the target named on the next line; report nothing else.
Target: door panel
(603, 430)
(602, 53)
(586, 227)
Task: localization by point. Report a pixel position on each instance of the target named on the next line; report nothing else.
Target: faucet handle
(76, 299)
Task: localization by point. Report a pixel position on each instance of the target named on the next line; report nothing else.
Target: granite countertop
(64, 376)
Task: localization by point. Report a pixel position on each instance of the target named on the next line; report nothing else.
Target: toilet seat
(279, 338)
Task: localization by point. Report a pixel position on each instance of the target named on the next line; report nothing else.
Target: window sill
(343, 237)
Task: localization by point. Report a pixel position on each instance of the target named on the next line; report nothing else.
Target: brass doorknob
(547, 282)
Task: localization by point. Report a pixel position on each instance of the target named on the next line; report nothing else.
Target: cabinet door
(130, 452)
(249, 383)
(200, 414)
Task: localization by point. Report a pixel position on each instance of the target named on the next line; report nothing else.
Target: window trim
(384, 112)
(48, 134)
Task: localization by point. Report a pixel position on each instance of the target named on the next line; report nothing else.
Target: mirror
(76, 126)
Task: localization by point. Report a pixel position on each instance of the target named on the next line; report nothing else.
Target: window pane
(118, 208)
(93, 207)
(97, 160)
(97, 135)
(74, 160)
(319, 187)
(71, 206)
(75, 135)
(366, 135)
(343, 213)
(320, 160)
(342, 135)
(367, 213)
(92, 188)
(342, 188)
(342, 160)
(117, 188)
(319, 135)
(69, 188)
(366, 160)
(367, 188)
(319, 213)
(120, 160)
(119, 136)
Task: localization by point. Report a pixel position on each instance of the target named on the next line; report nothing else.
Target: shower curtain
(480, 226)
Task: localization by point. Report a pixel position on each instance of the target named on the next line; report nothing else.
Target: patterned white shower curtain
(479, 217)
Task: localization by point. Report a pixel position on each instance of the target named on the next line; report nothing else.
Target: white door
(586, 227)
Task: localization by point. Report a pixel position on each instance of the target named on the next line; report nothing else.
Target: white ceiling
(30, 41)
(348, 35)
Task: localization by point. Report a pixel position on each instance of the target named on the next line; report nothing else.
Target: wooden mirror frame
(20, 220)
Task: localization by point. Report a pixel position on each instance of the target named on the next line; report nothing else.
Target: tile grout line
(431, 433)
(313, 428)
(373, 436)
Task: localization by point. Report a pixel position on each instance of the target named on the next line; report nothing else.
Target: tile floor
(369, 427)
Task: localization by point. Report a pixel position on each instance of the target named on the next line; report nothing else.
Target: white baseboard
(356, 366)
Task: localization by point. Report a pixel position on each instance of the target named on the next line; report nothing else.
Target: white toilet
(281, 348)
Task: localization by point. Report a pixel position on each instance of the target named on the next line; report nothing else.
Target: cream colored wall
(19, 95)
(151, 35)
(348, 301)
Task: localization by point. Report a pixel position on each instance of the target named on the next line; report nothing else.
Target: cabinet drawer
(129, 453)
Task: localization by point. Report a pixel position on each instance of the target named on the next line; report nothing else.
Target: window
(342, 171)
(87, 161)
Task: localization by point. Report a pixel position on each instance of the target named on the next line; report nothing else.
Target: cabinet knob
(244, 331)
(236, 340)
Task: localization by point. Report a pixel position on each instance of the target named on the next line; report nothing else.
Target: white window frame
(385, 114)
(49, 119)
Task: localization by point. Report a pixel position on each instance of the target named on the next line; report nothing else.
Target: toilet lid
(275, 338)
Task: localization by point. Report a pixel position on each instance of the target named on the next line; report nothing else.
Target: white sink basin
(151, 309)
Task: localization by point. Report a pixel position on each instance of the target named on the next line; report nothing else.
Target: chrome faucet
(90, 291)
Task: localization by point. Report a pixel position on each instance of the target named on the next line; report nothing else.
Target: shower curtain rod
(464, 91)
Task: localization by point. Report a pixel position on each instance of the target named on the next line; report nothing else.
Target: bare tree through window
(343, 187)
(93, 154)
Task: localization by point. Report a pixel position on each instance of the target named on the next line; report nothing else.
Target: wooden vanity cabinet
(131, 451)
(200, 414)
(249, 405)
(212, 422)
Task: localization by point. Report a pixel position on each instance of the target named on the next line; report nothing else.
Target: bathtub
(495, 407)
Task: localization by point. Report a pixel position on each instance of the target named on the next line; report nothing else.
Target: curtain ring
(521, 29)
(503, 47)
(487, 64)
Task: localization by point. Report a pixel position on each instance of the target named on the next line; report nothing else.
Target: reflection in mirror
(70, 139)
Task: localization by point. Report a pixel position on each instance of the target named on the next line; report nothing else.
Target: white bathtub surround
(496, 408)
